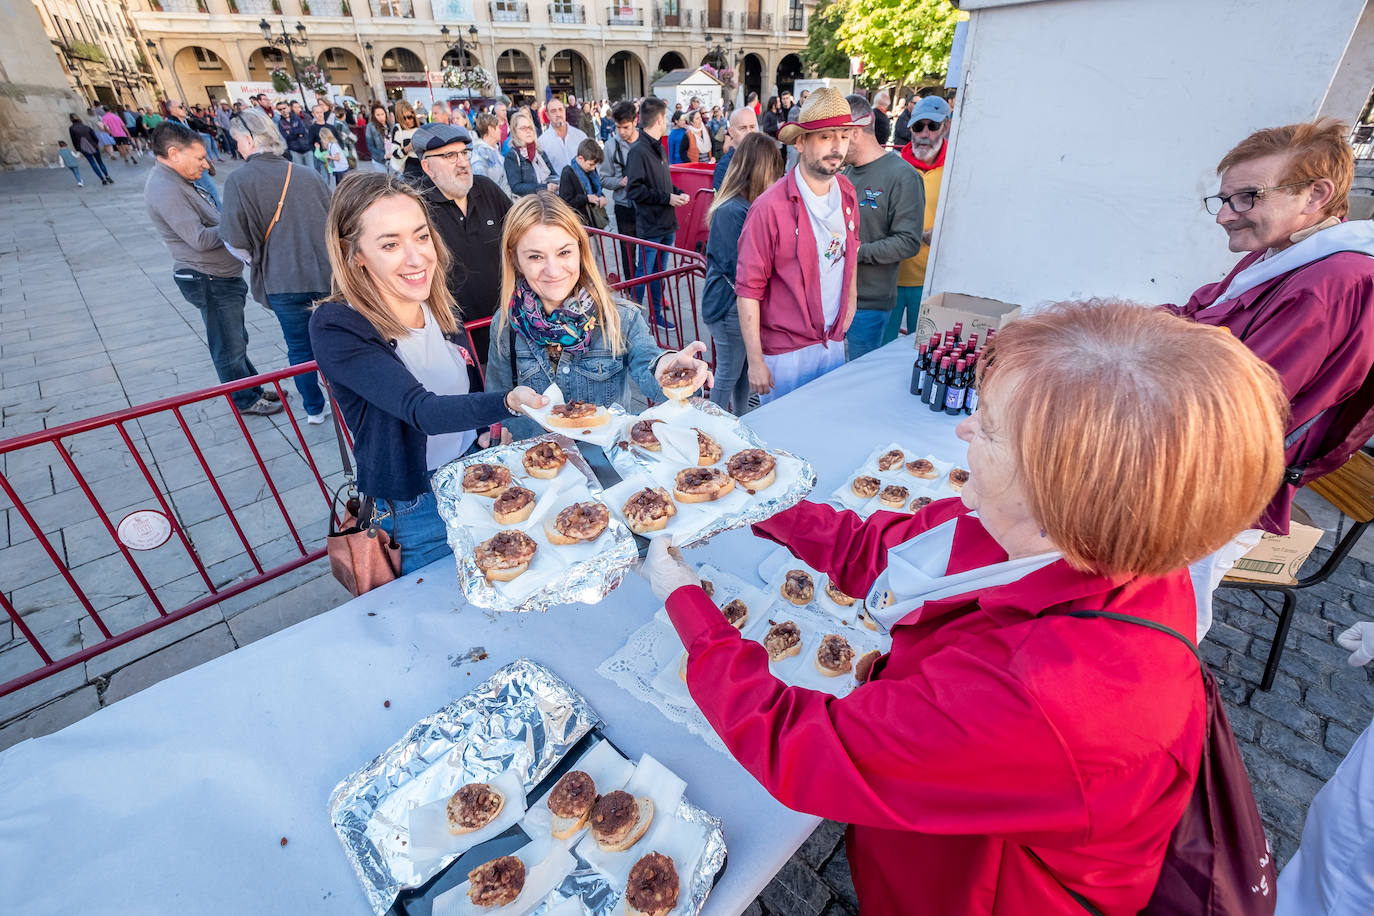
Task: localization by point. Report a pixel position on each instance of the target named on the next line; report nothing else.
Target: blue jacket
(296, 133)
(722, 166)
(722, 255)
(675, 144)
(390, 413)
(593, 375)
(521, 176)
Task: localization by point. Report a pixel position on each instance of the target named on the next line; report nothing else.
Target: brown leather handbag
(361, 556)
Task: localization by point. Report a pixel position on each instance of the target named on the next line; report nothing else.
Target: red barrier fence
(213, 504)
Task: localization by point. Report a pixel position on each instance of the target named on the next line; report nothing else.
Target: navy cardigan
(390, 413)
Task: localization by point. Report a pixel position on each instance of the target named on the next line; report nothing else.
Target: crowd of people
(1120, 456)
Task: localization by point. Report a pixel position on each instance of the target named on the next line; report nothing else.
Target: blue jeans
(97, 165)
(732, 366)
(416, 528)
(908, 304)
(207, 184)
(211, 150)
(866, 332)
(293, 313)
(220, 301)
(76, 170)
(652, 261)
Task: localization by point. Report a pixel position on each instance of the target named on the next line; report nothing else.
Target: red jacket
(986, 729)
(779, 266)
(1313, 325)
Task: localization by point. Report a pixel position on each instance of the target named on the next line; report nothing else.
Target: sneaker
(317, 419)
(270, 394)
(261, 408)
(81, 184)
(666, 323)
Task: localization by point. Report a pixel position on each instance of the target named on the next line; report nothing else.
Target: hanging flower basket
(474, 78)
(312, 78)
(281, 80)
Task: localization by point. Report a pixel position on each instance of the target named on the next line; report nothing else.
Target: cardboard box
(942, 311)
(1277, 558)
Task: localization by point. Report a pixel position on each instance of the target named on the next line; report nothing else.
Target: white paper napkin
(430, 839)
(546, 865)
(609, 771)
(680, 444)
(664, 788)
(683, 843)
(936, 488)
(603, 435)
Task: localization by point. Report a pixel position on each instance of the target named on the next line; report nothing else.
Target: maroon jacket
(996, 723)
(1314, 325)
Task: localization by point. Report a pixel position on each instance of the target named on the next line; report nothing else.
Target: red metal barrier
(83, 591)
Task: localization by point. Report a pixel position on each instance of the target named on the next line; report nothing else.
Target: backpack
(1218, 861)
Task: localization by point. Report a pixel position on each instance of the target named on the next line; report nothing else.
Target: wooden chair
(1350, 488)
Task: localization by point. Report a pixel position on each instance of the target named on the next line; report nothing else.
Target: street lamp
(542, 51)
(718, 54)
(287, 41)
(468, 72)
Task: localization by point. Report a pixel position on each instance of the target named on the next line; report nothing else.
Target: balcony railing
(756, 21)
(180, 6)
(325, 8)
(252, 7)
(510, 11)
(711, 18)
(567, 13)
(393, 9)
(624, 15)
(672, 17)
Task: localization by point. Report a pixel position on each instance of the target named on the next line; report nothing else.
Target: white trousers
(794, 369)
(1207, 574)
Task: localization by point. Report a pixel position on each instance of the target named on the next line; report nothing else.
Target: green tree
(898, 39)
(823, 55)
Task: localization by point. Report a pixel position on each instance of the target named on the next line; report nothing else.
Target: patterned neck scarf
(568, 327)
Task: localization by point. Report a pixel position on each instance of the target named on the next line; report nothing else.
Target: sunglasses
(922, 126)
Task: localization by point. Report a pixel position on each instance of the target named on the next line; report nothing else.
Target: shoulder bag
(361, 556)
(276, 216)
(1218, 861)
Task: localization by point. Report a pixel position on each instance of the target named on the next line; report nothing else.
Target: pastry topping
(573, 410)
(798, 585)
(708, 448)
(474, 805)
(496, 883)
(894, 494)
(735, 611)
(700, 480)
(959, 476)
(614, 813)
(642, 433)
(574, 794)
(653, 884)
(708, 587)
(920, 467)
(650, 502)
(513, 500)
(482, 478)
(780, 638)
(584, 521)
(835, 653)
(679, 377)
(504, 550)
(751, 464)
(863, 669)
(920, 502)
(890, 460)
(867, 487)
(545, 455)
(836, 595)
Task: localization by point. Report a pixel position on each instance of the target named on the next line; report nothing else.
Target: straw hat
(825, 109)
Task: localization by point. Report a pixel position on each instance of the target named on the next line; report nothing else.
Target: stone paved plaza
(91, 322)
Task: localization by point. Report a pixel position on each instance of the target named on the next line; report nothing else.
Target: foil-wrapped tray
(599, 568)
(524, 719)
(630, 462)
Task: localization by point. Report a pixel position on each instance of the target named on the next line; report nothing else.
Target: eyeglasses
(1241, 201)
(922, 126)
(451, 157)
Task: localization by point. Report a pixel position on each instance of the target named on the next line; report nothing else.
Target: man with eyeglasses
(929, 125)
(469, 213)
(1302, 298)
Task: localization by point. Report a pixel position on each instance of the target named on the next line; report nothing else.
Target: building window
(207, 59)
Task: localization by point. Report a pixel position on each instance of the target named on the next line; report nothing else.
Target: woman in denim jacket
(561, 324)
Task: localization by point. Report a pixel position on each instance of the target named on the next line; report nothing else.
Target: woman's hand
(524, 397)
(686, 358)
(665, 569)
(760, 378)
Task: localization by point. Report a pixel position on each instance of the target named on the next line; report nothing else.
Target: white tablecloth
(176, 799)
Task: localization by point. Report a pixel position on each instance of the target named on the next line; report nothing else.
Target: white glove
(1359, 639)
(665, 569)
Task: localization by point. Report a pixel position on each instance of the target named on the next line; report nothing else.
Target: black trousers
(625, 225)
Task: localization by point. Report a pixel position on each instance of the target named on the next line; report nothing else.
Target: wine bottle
(958, 388)
(940, 385)
(928, 377)
(917, 369)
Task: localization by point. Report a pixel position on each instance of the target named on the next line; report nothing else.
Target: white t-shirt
(338, 162)
(435, 363)
(827, 224)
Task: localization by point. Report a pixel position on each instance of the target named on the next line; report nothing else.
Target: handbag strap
(366, 506)
(280, 200)
(1082, 901)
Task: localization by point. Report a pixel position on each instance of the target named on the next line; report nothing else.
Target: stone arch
(456, 58)
(671, 61)
(751, 76)
(402, 67)
(625, 77)
(263, 61)
(570, 74)
(789, 71)
(201, 73)
(515, 75)
(344, 70)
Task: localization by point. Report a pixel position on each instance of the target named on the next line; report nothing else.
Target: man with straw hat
(798, 255)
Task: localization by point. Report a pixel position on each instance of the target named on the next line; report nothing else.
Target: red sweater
(987, 728)
(1313, 326)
